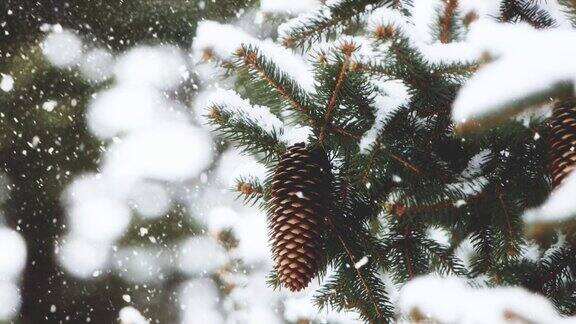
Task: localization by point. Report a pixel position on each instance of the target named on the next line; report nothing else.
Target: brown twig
(353, 261)
(506, 217)
(445, 20)
(331, 105)
(405, 163)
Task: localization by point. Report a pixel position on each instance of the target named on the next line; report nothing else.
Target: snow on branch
(529, 66)
(559, 206)
(224, 40)
(288, 6)
(451, 300)
(241, 108)
(393, 94)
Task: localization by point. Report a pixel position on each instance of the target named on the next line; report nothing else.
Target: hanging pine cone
(300, 203)
(562, 143)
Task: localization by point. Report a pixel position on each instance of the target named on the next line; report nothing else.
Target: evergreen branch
(508, 109)
(456, 69)
(247, 133)
(347, 49)
(435, 199)
(344, 132)
(482, 262)
(405, 163)
(376, 69)
(325, 25)
(431, 94)
(353, 262)
(446, 20)
(527, 11)
(250, 189)
(277, 81)
(508, 231)
(447, 261)
(343, 291)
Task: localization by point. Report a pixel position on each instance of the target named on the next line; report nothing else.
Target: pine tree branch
(250, 189)
(353, 261)
(507, 218)
(248, 134)
(527, 11)
(344, 132)
(347, 49)
(278, 81)
(405, 163)
(323, 26)
(514, 107)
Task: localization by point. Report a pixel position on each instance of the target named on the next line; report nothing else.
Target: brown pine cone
(562, 142)
(301, 188)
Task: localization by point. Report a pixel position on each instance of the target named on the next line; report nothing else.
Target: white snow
(126, 298)
(233, 165)
(450, 300)
(142, 264)
(99, 218)
(97, 64)
(171, 151)
(301, 307)
(124, 109)
(393, 94)
(10, 300)
(224, 40)
(559, 206)
(81, 257)
(362, 262)
(221, 218)
(483, 9)
(130, 315)
(424, 16)
(453, 52)
(201, 255)
(513, 75)
(7, 82)
(296, 134)
(151, 200)
(242, 109)
(387, 17)
(13, 257)
(288, 6)
(49, 105)
(438, 235)
(252, 231)
(162, 67)
(62, 48)
(303, 19)
(198, 302)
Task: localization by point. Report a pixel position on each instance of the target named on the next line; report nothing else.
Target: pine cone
(300, 202)
(562, 143)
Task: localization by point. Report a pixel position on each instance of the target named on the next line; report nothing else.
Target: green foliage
(329, 25)
(527, 11)
(237, 127)
(417, 175)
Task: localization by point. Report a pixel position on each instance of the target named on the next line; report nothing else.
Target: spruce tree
(397, 169)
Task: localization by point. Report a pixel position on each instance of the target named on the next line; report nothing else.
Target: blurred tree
(43, 147)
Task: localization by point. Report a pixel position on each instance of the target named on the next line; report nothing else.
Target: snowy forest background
(116, 198)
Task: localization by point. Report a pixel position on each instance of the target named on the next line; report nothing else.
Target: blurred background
(115, 199)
